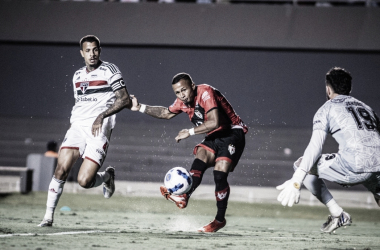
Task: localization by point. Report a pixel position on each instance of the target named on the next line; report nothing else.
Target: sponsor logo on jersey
(199, 114)
(101, 68)
(205, 96)
(231, 149)
(83, 86)
(86, 99)
(353, 104)
(94, 76)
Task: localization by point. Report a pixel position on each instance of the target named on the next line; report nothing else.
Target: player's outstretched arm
(290, 190)
(122, 101)
(208, 126)
(154, 111)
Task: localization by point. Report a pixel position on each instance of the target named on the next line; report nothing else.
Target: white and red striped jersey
(94, 92)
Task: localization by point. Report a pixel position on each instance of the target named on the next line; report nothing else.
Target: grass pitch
(154, 223)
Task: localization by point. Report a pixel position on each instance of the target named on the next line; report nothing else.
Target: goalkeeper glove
(291, 189)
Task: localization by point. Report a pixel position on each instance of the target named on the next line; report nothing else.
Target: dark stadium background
(269, 61)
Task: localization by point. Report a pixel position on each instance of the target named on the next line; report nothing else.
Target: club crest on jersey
(231, 149)
(83, 86)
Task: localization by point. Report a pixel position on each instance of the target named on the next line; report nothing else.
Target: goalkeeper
(355, 126)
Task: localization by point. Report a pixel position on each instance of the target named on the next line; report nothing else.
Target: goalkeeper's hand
(291, 189)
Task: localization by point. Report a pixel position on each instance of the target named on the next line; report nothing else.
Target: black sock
(197, 170)
(222, 192)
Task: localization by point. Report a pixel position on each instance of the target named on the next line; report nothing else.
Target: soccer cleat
(212, 227)
(45, 223)
(332, 223)
(109, 186)
(180, 200)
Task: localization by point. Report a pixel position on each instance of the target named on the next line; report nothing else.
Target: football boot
(212, 227)
(180, 200)
(109, 186)
(332, 223)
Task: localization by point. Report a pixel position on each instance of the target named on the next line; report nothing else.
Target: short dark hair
(51, 146)
(91, 39)
(178, 77)
(340, 80)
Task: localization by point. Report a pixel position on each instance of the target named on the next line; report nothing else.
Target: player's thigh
(230, 148)
(333, 167)
(96, 146)
(87, 172)
(205, 152)
(66, 159)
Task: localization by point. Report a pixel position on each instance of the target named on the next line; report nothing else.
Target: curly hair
(91, 39)
(340, 80)
(178, 77)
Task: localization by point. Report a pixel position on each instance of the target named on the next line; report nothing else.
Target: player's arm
(122, 101)
(290, 193)
(208, 126)
(154, 111)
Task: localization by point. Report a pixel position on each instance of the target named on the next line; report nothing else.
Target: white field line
(61, 233)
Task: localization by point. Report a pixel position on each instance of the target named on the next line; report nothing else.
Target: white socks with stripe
(54, 192)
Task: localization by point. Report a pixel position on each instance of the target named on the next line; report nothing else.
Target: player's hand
(290, 192)
(135, 103)
(183, 134)
(97, 126)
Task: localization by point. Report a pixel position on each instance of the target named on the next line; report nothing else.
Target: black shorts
(226, 145)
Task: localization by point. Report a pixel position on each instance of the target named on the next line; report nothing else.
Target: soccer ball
(178, 181)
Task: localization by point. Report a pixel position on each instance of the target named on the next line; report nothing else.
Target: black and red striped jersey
(206, 99)
(94, 92)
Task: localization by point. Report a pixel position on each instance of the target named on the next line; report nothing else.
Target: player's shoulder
(109, 67)
(79, 71)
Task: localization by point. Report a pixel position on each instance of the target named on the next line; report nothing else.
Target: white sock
(100, 178)
(54, 192)
(334, 208)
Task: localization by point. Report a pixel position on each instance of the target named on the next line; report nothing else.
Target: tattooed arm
(154, 111)
(122, 101)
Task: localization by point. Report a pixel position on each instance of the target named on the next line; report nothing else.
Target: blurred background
(268, 57)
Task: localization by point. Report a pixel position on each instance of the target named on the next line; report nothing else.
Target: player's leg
(228, 152)
(94, 156)
(204, 158)
(319, 189)
(334, 168)
(66, 160)
(373, 185)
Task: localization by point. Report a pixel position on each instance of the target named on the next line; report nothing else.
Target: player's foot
(45, 223)
(332, 223)
(109, 186)
(180, 200)
(212, 227)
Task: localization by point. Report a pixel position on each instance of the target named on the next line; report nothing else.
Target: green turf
(153, 223)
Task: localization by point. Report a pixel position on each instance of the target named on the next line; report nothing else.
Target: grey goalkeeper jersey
(355, 126)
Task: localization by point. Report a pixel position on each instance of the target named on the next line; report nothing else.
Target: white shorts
(334, 168)
(92, 148)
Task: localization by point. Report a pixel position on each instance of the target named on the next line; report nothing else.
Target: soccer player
(99, 93)
(222, 148)
(355, 126)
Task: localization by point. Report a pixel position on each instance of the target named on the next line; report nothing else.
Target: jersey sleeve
(208, 99)
(175, 108)
(313, 150)
(115, 77)
(320, 121)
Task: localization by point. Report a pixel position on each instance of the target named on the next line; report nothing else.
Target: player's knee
(85, 182)
(297, 163)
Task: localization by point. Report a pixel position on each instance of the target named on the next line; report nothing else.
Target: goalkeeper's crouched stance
(355, 126)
